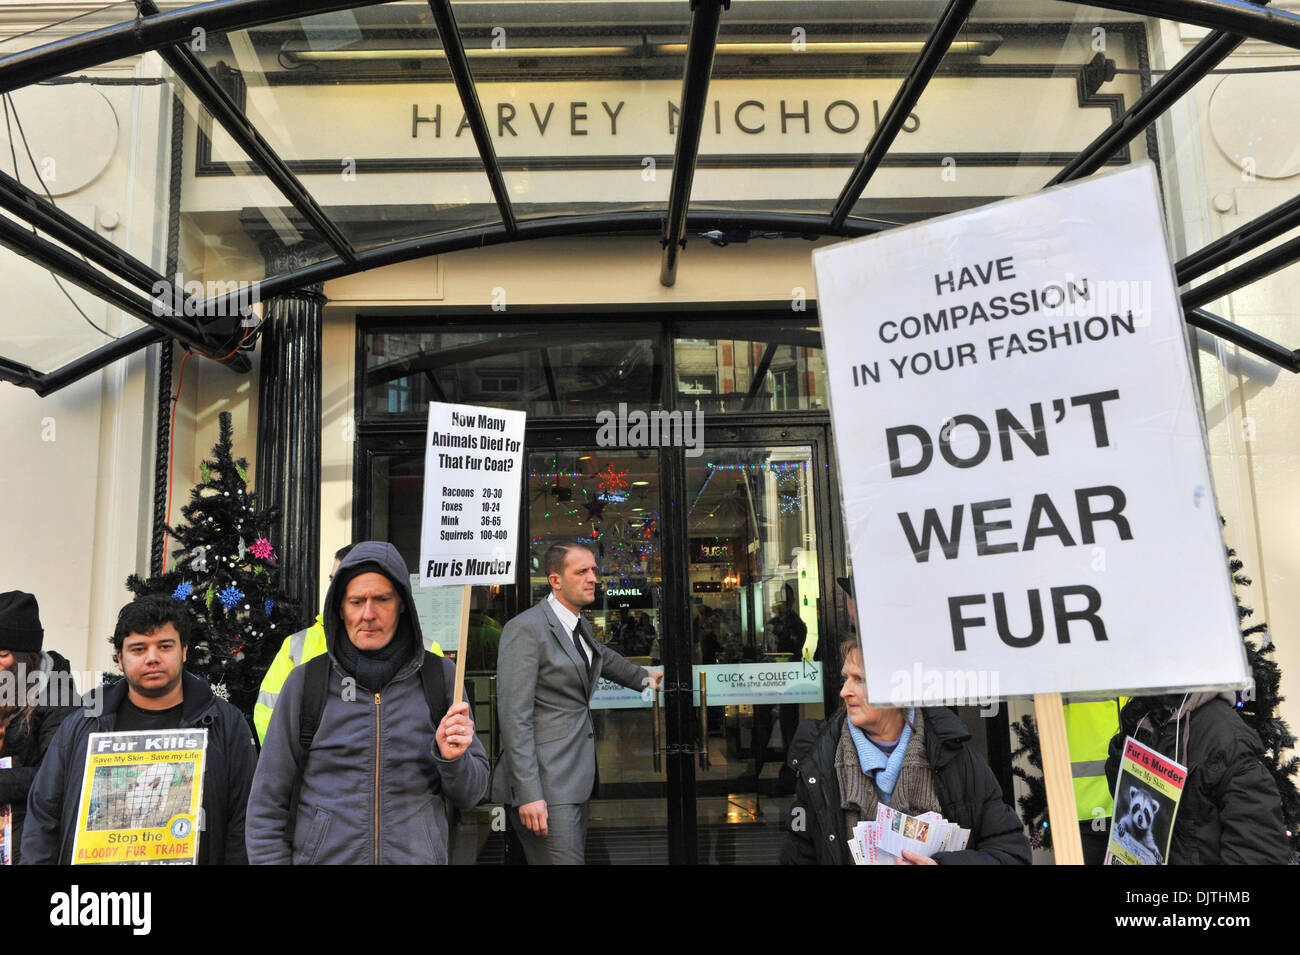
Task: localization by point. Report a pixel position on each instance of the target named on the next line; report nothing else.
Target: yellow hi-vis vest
(297, 649)
(1089, 728)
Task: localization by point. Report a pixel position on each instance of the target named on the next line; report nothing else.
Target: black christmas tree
(224, 569)
(1258, 707)
(1033, 804)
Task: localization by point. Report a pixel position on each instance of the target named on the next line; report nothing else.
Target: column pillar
(288, 468)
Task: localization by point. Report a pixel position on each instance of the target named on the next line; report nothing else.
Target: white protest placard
(1021, 455)
(472, 472)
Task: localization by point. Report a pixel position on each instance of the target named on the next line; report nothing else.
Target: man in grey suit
(548, 666)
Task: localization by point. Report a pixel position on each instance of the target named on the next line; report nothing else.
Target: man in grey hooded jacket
(378, 770)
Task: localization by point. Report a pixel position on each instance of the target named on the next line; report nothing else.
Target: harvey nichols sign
(591, 124)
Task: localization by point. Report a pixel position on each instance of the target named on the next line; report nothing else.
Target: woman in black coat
(37, 694)
(939, 770)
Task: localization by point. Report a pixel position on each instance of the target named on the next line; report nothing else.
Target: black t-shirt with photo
(131, 717)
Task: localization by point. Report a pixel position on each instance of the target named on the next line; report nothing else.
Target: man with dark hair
(297, 649)
(548, 667)
(150, 643)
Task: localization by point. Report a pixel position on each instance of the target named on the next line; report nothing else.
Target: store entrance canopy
(254, 147)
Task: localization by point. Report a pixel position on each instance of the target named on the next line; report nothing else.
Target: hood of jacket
(383, 558)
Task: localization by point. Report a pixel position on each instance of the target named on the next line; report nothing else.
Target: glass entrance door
(755, 582)
(610, 501)
(716, 548)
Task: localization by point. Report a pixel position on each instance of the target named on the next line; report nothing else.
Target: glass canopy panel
(107, 16)
(1230, 152)
(796, 92)
(361, 106)
(125, 149)
(1004, 122)
(580, 99)
(48, 321)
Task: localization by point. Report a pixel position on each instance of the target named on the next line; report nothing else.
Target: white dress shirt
(568, 619)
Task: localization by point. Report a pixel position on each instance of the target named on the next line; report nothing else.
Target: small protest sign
(1021, 454)
(141, 797)
(472, 477)
(1147, 791)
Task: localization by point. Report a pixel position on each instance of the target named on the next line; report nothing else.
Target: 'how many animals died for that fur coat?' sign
(1020, 450)
(473, 464)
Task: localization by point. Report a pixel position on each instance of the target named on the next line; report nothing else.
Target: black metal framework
(453, 46)
(936, 45)
(1184, 75)
(706, 17)
(85, 276)
(1232, 21)
(226, 112)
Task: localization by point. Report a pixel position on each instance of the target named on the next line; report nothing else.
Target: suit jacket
(544, 708)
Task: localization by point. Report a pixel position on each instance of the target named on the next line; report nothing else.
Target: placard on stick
(473, 469)
(1020, 450)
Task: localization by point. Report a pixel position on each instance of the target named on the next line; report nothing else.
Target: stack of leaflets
(882, 842)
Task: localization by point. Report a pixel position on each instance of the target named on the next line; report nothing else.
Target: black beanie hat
(20, 622)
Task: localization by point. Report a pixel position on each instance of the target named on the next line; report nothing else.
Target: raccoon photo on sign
(1142, 823)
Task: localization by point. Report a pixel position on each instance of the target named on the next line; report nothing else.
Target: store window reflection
(512, 368)
(748, 368)
(755, 628)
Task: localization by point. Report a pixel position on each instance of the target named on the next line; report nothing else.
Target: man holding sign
(548, 667)
(358, 773)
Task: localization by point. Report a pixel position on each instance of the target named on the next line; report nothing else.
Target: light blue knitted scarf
(872, 760)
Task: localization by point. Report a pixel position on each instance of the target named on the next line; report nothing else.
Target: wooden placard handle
(461, 646)
(1057, 779)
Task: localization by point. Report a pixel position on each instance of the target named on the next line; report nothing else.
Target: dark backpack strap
(316, 685)
(435, 694)
(435, 686)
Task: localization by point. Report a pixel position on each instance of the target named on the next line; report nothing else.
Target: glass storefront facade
(717, 532)
(722, 560)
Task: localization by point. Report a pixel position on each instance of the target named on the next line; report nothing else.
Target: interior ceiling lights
(297, 51)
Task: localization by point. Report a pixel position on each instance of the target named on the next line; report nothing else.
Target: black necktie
(577, 645)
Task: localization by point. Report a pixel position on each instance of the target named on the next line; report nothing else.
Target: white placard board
(473, 467)
(1021, 455)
